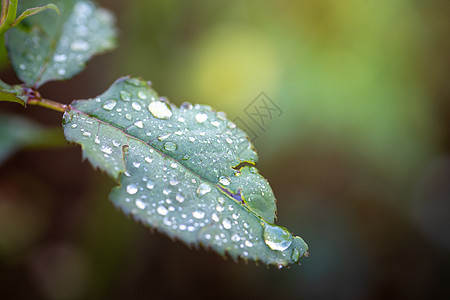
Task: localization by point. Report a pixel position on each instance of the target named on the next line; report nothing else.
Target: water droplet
(169, 146)
(148, 159)
(203, 189)
(277, 237)
(179, 198)
(248, 244)
(74, 126)
(215, 217)
(97, 140)
(133, 81)
(61, 71)
(128, 116)
(295, 255)
(215, 123)
(136, 164)
(221, 115)
(142, 95)
(229, 141)
(185, 157)
(60, 58)
(235, 216)
(79, 45)
(136, 106)
(116, 143)
(186, 106)
(22, 67)
(235, 238)
(125, 96)
(140, 204)
(162, 210)
(150, 184)
(224, 180)
(226, 223)
(86, 133)
(106, 149)
(132, 189)
(110, 104)
(192, 139)
(201, 117)
(173, 181)
(160, 110)
(139, 124)
(164, 136)
(198, 214)
(231, 125)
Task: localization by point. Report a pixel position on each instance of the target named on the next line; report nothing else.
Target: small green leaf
(13, 93)
(33, 11)
(180, 171)
(50, 47)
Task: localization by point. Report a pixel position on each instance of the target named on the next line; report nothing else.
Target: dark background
(358, 160)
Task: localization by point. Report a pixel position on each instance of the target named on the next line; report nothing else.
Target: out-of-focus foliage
(359, 158)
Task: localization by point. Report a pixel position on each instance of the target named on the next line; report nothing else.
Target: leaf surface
(14, 93)
(48, 47)
(186, 171)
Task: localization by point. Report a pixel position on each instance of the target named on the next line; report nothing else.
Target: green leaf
(186, 171)
(33, 11)
(50, 47)
(13, 93)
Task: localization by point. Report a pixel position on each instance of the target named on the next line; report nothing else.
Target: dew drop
(133, 81)
(136, 106)
(60, 58)
(160, 110)
(221, 115)
(276, 237)
(179, 198)
(226, 223)
(164, 136)
(295, 255)
(201, 117)
(169, 146)
(116, 143)
(150, 184)
(215, 123)
(142, 95)
(224, 180)
(162, 210)
(148, 159)
(229, 141)
(139, 124)
(106, 149)
(110, 104)
(125, 96)
(79, 45)
(87, 133)
(185, 157)
(248, 244)
(235, 238)
(173, 181)
(215, 217)
(198, 214)
(203, 189)
(140, 204)
(132, 189)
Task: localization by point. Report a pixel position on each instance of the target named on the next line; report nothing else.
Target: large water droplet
(226, 223)
(160, 110)
(201, 117)
(150, 184)
(142, 95)
(203, 189)
(276, 237)
(132, 189)
(162, 210)
(125, 96)
(110, 104)
(179, 198)
(224, 180)
(106, 149)
(169, 146)
(136, 106)
(198, 214)
(140, 204)
(139, 124)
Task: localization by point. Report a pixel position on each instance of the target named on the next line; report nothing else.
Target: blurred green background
(358, 160)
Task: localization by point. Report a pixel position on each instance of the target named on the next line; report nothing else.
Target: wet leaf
(35, 10)
(48, 47)
(178, 172)
(14, 93)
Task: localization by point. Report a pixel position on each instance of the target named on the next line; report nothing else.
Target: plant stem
(48, 104)
(11, 10)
